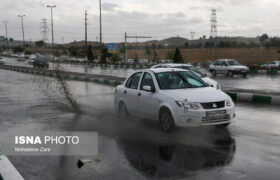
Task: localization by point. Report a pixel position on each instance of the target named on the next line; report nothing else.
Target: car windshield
(233, 63)
(195, 71)
(178, 80)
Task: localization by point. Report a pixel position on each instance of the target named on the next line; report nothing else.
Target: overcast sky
(157, 18)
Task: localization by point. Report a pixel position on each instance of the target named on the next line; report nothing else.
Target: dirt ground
(243, 55)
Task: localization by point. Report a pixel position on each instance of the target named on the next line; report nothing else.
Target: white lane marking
(275, 100)
(262, 71)
(7, 170)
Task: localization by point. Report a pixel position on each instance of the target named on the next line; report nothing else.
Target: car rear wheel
(230, 74)
(122, 111)
(166, 120)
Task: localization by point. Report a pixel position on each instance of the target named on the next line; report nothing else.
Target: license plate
(216, 113)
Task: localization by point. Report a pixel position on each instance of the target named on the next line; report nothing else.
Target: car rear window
(233, 63)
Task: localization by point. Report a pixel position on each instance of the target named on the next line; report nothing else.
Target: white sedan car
(173, 97)
(193, 69)
(2, 61)
(271, 65)
(229, 67)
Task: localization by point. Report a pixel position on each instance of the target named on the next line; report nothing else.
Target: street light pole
(52, 28)
(22, 28)
(100, 16)
(6, 22)
(125, 44)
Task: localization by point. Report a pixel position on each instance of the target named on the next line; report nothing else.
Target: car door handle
(124, 92)
(139, 94)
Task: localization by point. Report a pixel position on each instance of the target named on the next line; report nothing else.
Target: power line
(192, 35)
(213, 30)
(44, 30)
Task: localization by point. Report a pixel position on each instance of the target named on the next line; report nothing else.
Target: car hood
(200, 95)
(210, 81)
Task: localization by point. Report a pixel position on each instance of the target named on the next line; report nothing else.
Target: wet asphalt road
(248, 149)
(257, 84)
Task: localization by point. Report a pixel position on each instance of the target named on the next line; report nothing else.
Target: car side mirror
(149, 89)
(205, 75)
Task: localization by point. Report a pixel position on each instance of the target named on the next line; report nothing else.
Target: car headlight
(229, 102)
(180, 103)
(188, 105)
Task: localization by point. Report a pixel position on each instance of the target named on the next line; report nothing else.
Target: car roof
(226, 60)
(172, 65)
(161, 70)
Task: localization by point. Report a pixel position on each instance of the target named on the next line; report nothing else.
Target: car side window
(158, 67)
(224, 63)
(147, 80)
(128, 82)
(217, 63)
(135, 80)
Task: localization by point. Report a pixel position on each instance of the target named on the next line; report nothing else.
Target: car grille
(208, 120)
(213, 105)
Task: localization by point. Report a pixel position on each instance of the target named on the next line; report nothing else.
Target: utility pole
(213, 30)
(125, 41)
(44, 30)
(100, 23)
(192, 35)
(86, 28)
(7, 39)
(22, 28)
(49, 6)
(125, 46)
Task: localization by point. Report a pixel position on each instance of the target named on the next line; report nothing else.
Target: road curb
(115, 66)
(254, 98)
(268, 72)
(7, 170)
(242, 97)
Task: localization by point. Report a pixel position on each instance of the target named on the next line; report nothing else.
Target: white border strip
(275, 100)
(244, 97)
(7, 170)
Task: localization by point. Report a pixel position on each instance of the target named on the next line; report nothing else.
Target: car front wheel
(166, 120)
(223, 125)
(214, 73)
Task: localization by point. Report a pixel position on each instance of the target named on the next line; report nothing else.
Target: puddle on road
(177, 160)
